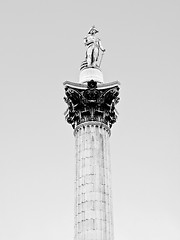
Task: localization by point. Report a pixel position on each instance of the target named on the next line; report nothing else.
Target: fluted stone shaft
(93, 197)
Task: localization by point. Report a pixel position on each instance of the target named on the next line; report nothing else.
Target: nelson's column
(91, 112)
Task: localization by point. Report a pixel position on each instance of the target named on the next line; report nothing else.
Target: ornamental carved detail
(91, 103)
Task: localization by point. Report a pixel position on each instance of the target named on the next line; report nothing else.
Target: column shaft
(93, 200)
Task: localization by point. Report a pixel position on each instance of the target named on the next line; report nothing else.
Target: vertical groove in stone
(104, 193)
(93, 210)
(107, 192)
(75, 190)
(76, 184)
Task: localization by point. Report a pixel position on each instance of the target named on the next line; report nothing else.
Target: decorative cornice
(91, 102)
(84, 85)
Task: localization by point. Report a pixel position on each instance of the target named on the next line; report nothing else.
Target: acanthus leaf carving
(91, 104)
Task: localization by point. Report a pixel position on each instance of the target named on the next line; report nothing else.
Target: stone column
(93, 198)
(91, 112)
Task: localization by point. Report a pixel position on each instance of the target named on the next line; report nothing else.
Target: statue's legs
(92, 55)
(95, 56)
(89, 56)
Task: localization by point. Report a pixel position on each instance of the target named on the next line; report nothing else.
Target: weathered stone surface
(93, 201)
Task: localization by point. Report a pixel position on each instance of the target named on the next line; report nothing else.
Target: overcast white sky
(41, 46)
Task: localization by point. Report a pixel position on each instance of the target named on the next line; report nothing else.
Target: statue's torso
(90, 40)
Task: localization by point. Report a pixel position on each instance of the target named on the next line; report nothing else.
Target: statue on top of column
(93, 44)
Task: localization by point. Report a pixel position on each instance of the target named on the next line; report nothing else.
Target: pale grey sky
(41, 47)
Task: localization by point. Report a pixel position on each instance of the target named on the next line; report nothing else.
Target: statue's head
(93, 30)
